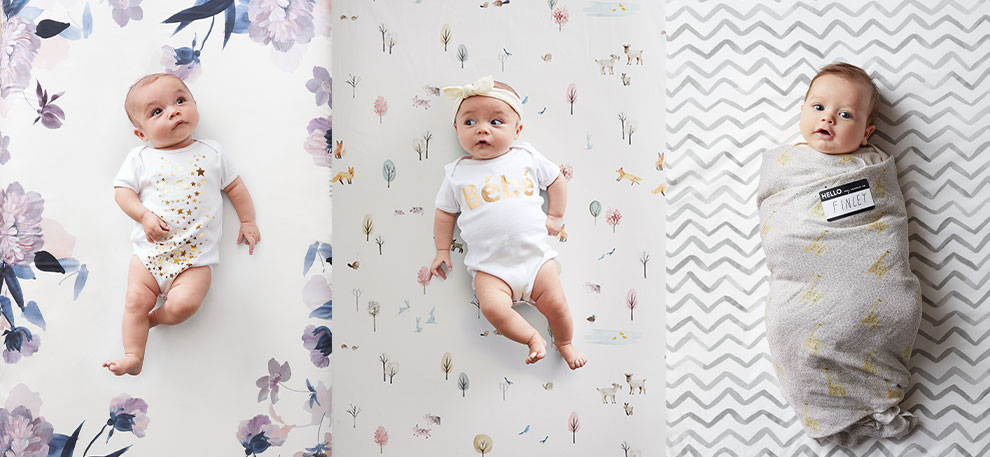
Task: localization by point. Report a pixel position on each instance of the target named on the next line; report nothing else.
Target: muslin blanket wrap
(844, 307)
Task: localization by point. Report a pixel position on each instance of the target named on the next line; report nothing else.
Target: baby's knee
(182, 305)
(553, 304)
(139, 300)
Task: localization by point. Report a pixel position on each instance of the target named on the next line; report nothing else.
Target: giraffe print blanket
(843, 307)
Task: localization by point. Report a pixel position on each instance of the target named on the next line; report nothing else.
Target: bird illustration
(542, 110)
(484, 5)
(525, 99)
(596, 288)
(354, 348)
(525, 429)
(433, 317)
(544, 440)
(591, 318)
(547, 57)
(355, 265)
(404, 308)
(506, 51)
(507, 380)
(484, 333)
(548, 386)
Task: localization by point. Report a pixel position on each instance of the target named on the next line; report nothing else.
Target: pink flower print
(20, 225)
(318, 142)
(18, 46)
(22, 435)
(258, 434)
(276, 374)
(281, 22)
(125, 10)
(128, 414)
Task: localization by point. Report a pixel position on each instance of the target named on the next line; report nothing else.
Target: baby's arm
(238, 194)
(556, 202)
(154, 228)
(443, 233)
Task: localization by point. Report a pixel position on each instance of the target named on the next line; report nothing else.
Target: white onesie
(501, 214)
(182, 187)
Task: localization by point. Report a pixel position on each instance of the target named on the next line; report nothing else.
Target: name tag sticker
(847, 200)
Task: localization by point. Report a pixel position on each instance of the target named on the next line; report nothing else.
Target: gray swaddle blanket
(844, 307)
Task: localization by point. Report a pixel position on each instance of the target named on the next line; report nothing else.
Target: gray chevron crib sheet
(844, 307)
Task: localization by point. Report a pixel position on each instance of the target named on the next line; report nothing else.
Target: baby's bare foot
(575, 358)
(129, 364)
(537, 349)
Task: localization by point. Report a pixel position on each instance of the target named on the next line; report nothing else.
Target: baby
(495, 190)
(171, 188)
(844, 307)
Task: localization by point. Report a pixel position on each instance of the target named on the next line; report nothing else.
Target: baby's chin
(826, 148)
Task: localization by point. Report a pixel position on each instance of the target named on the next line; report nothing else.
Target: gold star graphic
(200, 171)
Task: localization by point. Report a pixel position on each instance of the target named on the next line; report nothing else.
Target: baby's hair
(144, 81)
(857, 75)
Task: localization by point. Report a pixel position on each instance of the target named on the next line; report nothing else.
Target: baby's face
(165, 112)
(833, 117)
(486, 127)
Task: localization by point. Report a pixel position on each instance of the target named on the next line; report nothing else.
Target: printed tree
(379, 241)
(381, 108)
(383, 30)
(420, 147)
(383, 359)
(503, 386)
(613, 217)
(631, 302)
(353, 82)
(560, 17)
(462, 54)
(357, 296)
(445, 36)
(625, 448)
(388, 172)
(391, 369)
(423, 277)
(368, 226)
(354, 411)
(483, 444)
(630, 129)
(381, 439)
(571, 96)
(573, 425)
(643, 259)
(622, 124)
(551, 4)
(502, 57)
(596, 208)
(463, 383)
(391, 39)
(427, 137)
(373, 309)
(446, 364)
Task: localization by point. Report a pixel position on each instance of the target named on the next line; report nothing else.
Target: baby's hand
(436, 269)
(154, 228)
(249, 234)
(554, 224)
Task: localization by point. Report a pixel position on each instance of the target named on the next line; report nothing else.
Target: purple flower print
(19, 342)
(319, 140)
(22, 435)
(4, 150)
(49, 113)
(20, 225)
(125, 10)
(281, 22)
(18, 46)
(128, 414)
(183, 62)
(276, 375)
(258, 434)
(320, 85)
(319, 341)
(319, 402)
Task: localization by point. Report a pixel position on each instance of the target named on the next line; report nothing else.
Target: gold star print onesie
(182, 187)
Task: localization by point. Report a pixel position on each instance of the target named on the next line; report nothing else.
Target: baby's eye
(180, 100)
(845, 115)
(470, 122)
(497, 122)
(817, 107)
(156, 111)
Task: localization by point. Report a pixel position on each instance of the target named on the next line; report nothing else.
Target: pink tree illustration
(631, 302)
(381, 108)
(572, 96)
(381, 438)
(560, 17)
(573, 424)
(613, 217)
(423, 278)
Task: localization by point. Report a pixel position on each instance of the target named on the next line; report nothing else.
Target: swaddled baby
(844, 306)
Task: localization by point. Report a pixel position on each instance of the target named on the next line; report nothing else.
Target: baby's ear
(869, 131)
(140, 135)
(519, 127)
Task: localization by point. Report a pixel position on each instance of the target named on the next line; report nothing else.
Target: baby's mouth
(824, 133)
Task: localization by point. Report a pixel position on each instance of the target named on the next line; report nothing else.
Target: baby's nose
(174, 112)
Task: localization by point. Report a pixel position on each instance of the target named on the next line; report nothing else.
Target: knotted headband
(484, 87)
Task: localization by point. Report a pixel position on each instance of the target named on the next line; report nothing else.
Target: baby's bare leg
(495, 297)
(184, 297)
(549, 297)
(142, 292)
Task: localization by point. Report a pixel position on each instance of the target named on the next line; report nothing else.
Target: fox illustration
(633, 179)
(348, 175)
(339, 151)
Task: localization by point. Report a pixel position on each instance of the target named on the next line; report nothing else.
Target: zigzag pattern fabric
(737, 72)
